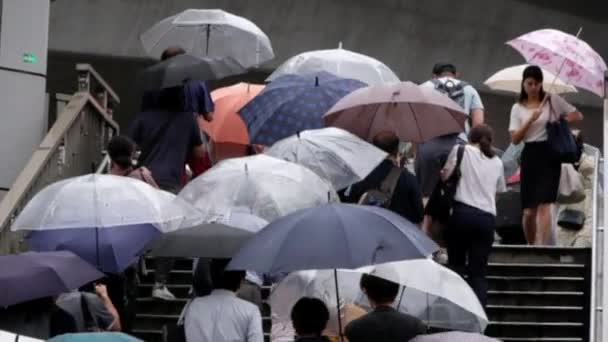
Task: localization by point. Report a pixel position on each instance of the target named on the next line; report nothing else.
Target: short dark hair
(225, 280)
(309, 316)
(440, 68)
(172, 52)
(120, 150)
(387, 141)
(379, 290)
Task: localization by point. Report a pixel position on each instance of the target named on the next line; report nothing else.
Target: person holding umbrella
(540, 172)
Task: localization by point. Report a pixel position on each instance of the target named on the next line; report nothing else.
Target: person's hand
(101, 290)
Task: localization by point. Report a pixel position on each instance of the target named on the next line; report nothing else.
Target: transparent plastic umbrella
(210, 33)
(332, 153)
(264, 186)
(431, 292)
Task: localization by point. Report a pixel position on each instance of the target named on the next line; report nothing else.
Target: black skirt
(540, 174)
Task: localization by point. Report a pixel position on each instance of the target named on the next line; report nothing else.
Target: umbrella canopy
(333, 236)
(454, 336)
(210, 33)
(176, 71)
(211, 240)
(95, 337)
(227, 130)
(340, 62)
(104, 201)
(293, 103)
(414, 113)
(572, 59)
(332, 153)
(431, 292)
(264, 186)
(510, 79)
(43, 274)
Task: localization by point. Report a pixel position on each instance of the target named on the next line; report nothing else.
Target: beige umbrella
(509, 79)
(414, 113)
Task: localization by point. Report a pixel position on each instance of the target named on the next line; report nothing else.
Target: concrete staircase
(536, 294)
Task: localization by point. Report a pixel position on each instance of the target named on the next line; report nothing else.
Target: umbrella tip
(340, 45)
(316, 81)
(298, 134)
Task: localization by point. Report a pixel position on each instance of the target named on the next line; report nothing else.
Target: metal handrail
(597, 241)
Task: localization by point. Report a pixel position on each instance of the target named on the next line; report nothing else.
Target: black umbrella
(177, 70)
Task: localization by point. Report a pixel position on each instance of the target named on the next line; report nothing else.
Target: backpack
(453, 90)
(382, 196)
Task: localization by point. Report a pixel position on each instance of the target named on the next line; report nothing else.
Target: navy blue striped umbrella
(293, 103)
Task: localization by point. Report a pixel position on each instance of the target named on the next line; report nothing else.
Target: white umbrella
(104, 201)
(509, 79)
(210, 33)
(431, 292)
(262, 185)
(340, 62)
(454, 336)
(332, 153)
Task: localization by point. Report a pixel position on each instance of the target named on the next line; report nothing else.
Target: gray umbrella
(177, 70)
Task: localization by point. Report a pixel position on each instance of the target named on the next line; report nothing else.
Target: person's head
(388, 142)
(379, 291)
(532, 84)
(483, 135)
(121, 150)
(444, 70)
(223, 279)
(309, 316)
(171, 52)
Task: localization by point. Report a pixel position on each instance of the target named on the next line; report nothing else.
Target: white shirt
(481, 179)
(222, 317)
(538, 130)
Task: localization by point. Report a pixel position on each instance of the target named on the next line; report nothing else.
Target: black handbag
(571, 219)
(441, 201)
(560, 139)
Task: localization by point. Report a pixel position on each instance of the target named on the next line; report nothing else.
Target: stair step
(182, 264)
(177, 277)
(536, 298)
(527, 313)
(179, 290)
(539, 254)
(536, 283)
(151, 305)
(535, 330)
(148, 335)
(531, 269)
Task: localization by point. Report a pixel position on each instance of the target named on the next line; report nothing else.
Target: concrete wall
(409, 36)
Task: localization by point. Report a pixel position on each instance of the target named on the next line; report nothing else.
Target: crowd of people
(168, 136)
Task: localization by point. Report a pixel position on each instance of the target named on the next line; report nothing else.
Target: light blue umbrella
(293, 103)
(95, 337)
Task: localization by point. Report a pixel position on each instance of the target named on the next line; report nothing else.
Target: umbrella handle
(338, 306)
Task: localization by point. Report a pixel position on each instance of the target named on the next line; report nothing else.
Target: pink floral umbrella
(554, 50)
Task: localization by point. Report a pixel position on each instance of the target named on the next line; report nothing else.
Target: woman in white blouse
(470, 231)
(540, 171)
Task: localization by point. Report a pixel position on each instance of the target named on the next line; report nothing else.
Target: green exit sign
(30, 58)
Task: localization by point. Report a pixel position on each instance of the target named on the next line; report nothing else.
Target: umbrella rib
(161, 38)
(372, 120)
(416, 119)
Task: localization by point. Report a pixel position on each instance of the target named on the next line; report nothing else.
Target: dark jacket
(384, 324)
(407, 199)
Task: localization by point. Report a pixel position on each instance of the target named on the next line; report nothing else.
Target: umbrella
(227, 130)
(332, 153)
(414, 113)
(43, 274)
(429, 291)
(340, 62)
(264, 186)
(572, 59)
(177, 70)
(105, 219)
(510, 79)
(454, 336)
(333, 236)
(95, 337)
(293, 103)
(210, 33)
(6, 336)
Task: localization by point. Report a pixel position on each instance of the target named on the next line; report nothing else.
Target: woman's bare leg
(544, 226)
(529, 224)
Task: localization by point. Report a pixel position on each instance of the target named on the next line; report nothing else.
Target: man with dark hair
(384, 323)
(172, 52)
(221, 316)
(397, 185)
(309, 317)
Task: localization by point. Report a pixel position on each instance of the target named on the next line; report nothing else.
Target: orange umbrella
(227, 130)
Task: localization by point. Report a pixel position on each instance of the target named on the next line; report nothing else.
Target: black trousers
(469, 237)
